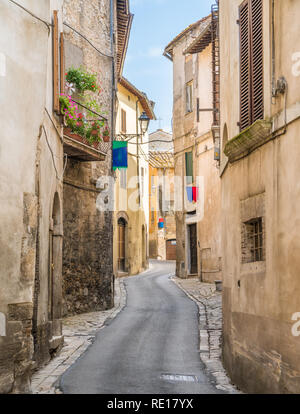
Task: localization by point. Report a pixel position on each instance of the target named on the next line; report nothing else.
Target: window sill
(253, 268)
(248, 140)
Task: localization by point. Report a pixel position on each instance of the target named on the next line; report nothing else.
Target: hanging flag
(189, 191)
(195, 194)
(120, 155)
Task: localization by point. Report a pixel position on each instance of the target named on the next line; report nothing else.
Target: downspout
(113, 86)
(274, 89)
(137, 150)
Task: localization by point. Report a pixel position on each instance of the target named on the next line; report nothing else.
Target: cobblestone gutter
(79, 332)
(209, 302)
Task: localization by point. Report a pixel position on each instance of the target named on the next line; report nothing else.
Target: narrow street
(155, 336)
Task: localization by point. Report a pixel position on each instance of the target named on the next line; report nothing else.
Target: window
(253, 241)
(189, 97)
(123, 178)
(123, 121)
(160, 199)
(152, 184)
(189, 168)
(152, 215)
(251, 62)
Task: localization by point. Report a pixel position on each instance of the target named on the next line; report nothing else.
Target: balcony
(80, 149)
(86, 144)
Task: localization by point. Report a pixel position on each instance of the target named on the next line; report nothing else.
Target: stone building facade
(131, 206)
(162, 240)
(261, 194)
(88, 232)
(198, 219)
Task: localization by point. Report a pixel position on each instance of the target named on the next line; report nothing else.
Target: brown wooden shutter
(251, 62)
(55, 63)
(62, 64)
(257, 59)
(245, 66)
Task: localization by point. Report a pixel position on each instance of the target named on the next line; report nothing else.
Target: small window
(189, 97)
(153, 184)
(189, 168)
(253, 241)
(152, 215)
(123, 121)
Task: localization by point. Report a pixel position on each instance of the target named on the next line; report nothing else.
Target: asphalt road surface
(151, 347)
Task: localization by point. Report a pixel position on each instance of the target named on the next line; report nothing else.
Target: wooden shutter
(245, 66)
(62, 64)
(55, 63)
(257, 59)
(251, 62)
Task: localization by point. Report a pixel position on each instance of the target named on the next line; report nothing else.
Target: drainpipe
(113, 91)
(137, 150)
(274, 89)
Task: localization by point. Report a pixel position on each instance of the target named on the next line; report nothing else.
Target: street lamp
(144, 122)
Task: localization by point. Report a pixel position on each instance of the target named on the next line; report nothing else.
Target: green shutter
(189, 170)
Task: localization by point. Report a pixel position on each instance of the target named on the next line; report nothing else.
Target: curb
(209, 345)
(47, 379)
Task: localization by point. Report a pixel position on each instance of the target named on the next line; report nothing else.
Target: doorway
(193, 248)
(55, 263)
(122, 245)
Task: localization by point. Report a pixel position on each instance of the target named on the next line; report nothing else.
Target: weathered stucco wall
(190, 135)
(126, 199)
(260, 298)
(28, 186)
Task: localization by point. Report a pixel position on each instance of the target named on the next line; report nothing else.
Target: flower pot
(94, 132)
(106, 138)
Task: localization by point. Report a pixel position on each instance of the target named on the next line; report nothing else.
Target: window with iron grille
(253, 241)
(251, 62)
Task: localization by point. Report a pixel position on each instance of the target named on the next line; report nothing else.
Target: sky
(155, 24)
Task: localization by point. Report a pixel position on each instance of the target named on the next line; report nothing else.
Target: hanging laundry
(195, 194)
(189, 191)
(120, 155)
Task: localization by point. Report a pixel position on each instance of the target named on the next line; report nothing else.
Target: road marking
(179, 378)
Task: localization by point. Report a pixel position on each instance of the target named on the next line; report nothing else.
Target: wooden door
(193, 249)
(171, 249)
(121, 237)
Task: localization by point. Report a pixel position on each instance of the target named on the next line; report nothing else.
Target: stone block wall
(16, 350)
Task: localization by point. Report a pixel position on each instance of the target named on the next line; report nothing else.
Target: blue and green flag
(120, 155)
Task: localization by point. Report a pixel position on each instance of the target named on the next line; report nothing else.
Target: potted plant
(105, 134)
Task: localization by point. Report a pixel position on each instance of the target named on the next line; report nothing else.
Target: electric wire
(85, 38)
(49, 25)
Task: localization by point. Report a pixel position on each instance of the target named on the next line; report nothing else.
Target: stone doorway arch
(55, 266)
(122, 244)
